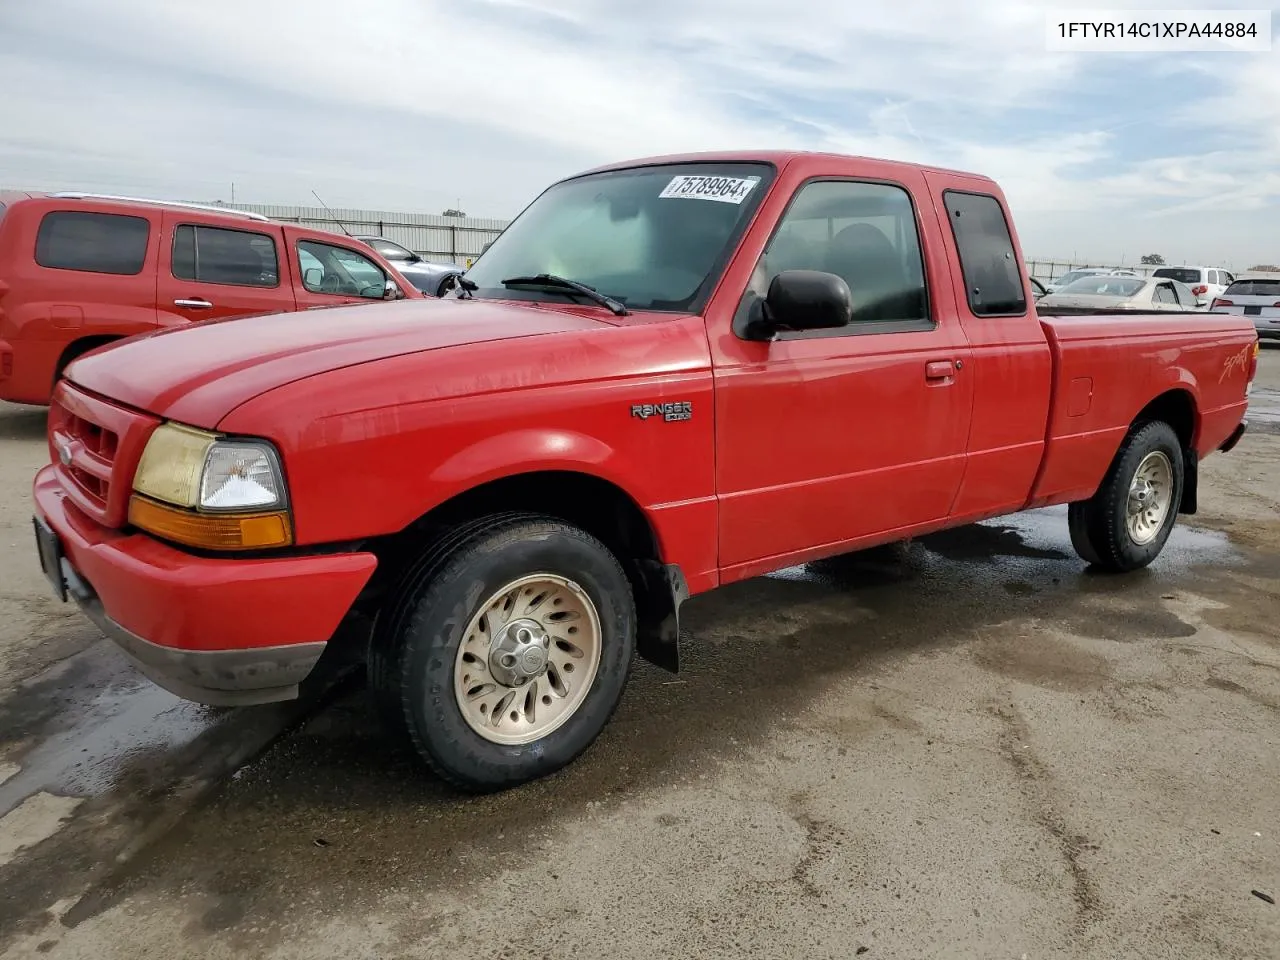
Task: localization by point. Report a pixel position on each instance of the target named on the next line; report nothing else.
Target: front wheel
(509, 659)
(1125, 525)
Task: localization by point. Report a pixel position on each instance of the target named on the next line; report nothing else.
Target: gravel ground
(966, 748)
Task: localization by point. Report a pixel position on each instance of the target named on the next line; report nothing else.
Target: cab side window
(239, 258)
(992, 277)
(327, 268)
(864, 233)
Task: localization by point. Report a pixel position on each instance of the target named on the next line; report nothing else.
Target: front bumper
(221, 631)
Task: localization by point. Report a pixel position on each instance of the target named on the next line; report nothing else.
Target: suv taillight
(1200, 290)
(1219, 302)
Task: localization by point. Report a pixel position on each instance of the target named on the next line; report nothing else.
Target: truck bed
(1108, 367)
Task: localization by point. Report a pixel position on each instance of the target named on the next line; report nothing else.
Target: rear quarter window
(993, 282)
(92, 242)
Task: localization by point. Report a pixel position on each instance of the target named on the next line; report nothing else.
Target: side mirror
(808, 300)
(391, 291)
(313, 276)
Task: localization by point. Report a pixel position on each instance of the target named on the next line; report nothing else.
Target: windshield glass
(1105, 286)
(1073, 276)
(1181, 274)
(652, 238)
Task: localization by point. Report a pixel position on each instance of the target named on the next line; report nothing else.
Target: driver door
(332, 273)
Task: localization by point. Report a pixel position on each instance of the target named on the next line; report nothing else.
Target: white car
(1053, 286)
(1256, 296)
(1114, 292)
(1205, 282)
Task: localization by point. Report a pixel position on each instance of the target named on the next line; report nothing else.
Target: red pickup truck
(78, 271)
(664, 376)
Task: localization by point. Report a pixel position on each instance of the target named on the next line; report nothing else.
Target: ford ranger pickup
(664, 376)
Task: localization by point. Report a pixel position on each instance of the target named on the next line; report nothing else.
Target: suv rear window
(1181, 274)
(991, 277)
(92, 242)
(1254, 288)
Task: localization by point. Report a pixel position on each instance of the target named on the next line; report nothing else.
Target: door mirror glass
(313, 276)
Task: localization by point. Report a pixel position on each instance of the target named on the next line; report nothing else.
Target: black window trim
(1004, 217)
(297, 249)
(927, 324)
(146, 247)
(173, 243)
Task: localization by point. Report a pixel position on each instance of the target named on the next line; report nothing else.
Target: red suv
(80, 270)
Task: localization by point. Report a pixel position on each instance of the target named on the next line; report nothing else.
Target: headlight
(200, 489)
(240, 475)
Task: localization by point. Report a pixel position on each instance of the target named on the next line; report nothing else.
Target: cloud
(415, 104)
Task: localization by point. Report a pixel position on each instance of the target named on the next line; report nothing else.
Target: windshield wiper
(551, 280)
(463, 286)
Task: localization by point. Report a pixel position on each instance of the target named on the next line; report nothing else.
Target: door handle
(940, 369)
(193, 304)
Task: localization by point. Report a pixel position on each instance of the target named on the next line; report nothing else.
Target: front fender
(531, 450)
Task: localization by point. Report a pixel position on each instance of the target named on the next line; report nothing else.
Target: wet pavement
(1264, 410)
(964, 746)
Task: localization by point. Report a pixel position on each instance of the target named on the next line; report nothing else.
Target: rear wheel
(507, 659)
(1125, 525)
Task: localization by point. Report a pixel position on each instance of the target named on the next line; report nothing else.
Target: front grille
(96, 446)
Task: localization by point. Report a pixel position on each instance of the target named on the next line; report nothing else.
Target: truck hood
(199, 373)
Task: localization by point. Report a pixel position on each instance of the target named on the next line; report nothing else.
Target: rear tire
(552, 593)
(1125, 525)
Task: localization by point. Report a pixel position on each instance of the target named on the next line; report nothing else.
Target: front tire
(1125, 525)
(509, 657)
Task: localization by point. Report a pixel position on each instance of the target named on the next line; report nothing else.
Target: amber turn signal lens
(211, 531)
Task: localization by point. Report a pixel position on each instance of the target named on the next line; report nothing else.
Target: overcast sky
(416, 105)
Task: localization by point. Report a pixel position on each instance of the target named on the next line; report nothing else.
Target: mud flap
(1190, 482)
(658, 611)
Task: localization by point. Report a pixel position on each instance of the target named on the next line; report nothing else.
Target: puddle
(97, 725)
(1020, 554)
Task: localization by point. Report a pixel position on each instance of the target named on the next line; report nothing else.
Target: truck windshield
(651, 238)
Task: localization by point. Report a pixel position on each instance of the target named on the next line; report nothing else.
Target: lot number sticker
(722, 189)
